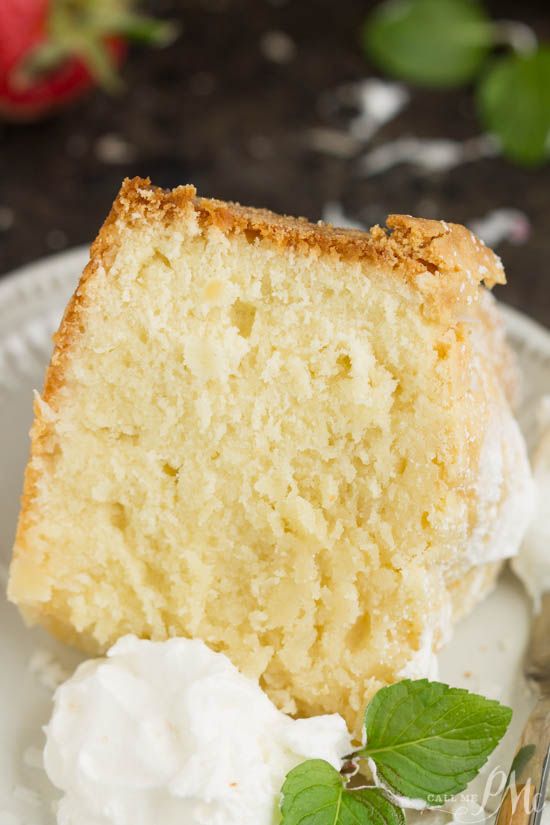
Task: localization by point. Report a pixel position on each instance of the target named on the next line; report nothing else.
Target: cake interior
(276, 453)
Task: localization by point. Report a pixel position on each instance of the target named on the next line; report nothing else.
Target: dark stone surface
(213, 110)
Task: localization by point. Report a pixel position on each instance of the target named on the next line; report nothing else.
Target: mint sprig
(424, 741)
(429, 42)
(444, 43)
(429, 740)
(514, 104)
(314, 793)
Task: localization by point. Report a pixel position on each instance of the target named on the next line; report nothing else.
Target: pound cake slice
(288, 440)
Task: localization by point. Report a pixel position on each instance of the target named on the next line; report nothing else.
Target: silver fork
(531, 765)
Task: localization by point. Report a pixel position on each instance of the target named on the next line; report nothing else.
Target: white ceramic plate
(484, 655)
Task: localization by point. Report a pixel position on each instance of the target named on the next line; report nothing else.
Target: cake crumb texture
(271, 435)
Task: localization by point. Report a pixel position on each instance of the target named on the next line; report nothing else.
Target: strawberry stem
(141, 29)
(81, 28)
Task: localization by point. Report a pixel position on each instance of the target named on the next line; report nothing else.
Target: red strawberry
(51, 51)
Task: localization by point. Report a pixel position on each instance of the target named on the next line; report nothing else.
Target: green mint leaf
(429, 42)
(428, 740)
(314, 794)
(514, 103)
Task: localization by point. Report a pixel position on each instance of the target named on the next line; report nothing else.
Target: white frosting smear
(171, 732)
(505, 492)
(532, 564)
(505, 488)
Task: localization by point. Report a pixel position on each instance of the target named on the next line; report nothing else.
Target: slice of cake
(288, 440)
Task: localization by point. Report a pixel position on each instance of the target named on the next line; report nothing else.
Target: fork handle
(523, 800)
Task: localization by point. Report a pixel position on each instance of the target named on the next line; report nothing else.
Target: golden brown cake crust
(458, 259)
(414, 243)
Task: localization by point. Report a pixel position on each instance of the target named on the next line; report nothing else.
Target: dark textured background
(214, 110)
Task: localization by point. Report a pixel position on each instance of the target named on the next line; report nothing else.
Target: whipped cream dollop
(170, 732)
(532, 564)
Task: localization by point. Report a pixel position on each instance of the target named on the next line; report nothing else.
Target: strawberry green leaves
(314, 794)
(424, 742)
